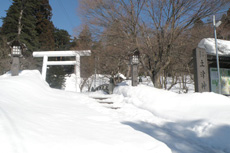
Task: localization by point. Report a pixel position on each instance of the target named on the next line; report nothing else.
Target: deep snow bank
(196, 122)
(209, 106)
(37, 119)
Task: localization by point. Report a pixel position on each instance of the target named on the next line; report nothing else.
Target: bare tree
(169, 19)
(85, 42)
(118, 22)
(152, 26)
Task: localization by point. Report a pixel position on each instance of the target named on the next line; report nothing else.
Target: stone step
(107, 104)
(100, 98)
(114, 107)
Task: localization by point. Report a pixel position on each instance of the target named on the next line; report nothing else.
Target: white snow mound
(187, 123)
(37, 119)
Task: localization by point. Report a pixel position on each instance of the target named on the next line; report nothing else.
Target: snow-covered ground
(187, 123)
(70, 83)
(36, 118)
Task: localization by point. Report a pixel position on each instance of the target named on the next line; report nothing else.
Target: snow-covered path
(192, 123)
(35, 118)
(186, 135)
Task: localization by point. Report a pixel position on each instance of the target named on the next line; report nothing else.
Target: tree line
(29, 21)
(164, 31)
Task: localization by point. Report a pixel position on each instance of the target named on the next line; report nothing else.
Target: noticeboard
(225, 80)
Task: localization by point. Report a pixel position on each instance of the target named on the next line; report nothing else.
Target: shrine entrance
(73, 53)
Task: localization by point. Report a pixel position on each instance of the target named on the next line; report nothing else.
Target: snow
(177, 88)
(70, 83)
(121, 76)
(36, 118)
(187, 123)
(209, 45)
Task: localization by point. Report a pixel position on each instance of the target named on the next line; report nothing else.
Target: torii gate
(69, 53)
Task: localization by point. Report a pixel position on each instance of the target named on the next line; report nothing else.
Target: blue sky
(64, 13)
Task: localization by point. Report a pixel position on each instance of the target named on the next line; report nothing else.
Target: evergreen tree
(56, 74)
(4, 58)
(84, 40)
(197, 29)
(225, 26)
(226, 19)
(56, 77)
(30, 22)
(198, 23)
(20, 22)
(62, 39)
(44, 26)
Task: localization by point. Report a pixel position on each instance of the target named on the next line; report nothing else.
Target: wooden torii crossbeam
(69, 53)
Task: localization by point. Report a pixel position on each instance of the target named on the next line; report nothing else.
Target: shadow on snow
(188, 137)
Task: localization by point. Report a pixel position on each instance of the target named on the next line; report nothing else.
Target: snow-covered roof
(209, 45)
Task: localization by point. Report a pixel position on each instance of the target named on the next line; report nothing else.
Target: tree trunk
(157, 72)
(20, 23)
(83, 84)
(157, 81)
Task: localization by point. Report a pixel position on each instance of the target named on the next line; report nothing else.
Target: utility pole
(95, 72)
(215, 25)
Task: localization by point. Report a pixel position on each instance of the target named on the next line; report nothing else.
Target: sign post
(201, 74)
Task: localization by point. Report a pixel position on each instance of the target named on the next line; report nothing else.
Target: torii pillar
(77, 54)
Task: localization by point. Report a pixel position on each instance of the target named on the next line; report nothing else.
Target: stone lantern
(16, 53)
(134, 60)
